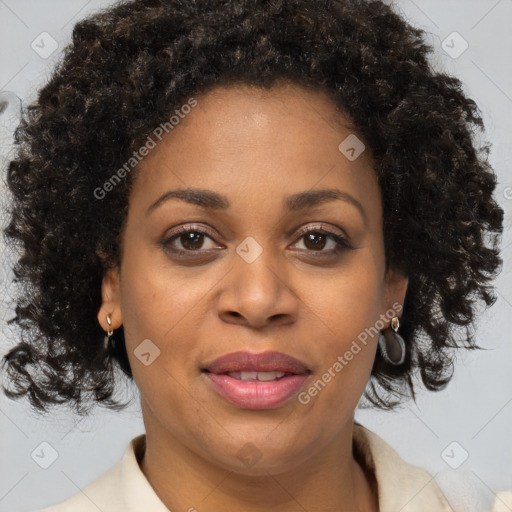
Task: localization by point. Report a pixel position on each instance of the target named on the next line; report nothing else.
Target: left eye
(315, 240)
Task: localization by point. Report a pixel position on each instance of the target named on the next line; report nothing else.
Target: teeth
(256, 376)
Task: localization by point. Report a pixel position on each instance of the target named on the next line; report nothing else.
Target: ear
(111, 302)
(395, 290)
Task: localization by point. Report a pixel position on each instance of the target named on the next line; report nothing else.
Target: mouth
(251, 380)
(256, 376)
(263, 366)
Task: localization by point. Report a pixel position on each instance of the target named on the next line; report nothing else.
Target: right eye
(190, 237)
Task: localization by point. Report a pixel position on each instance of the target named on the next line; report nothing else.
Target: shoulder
(101, 494)
(503, 502)
(123, 488)
(401, 486)
(408, 488)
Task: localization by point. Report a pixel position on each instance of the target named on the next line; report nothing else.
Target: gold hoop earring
(109, 322)
(109, 340)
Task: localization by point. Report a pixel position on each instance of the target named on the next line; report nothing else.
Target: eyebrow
(210, 200)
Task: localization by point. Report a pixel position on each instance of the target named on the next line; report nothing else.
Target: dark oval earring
(392, 345)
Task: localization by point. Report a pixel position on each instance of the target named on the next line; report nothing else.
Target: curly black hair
(127, 70)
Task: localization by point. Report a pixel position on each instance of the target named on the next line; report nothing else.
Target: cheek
(165, 306)
(353, 297)
(154, 297)
(348, 310)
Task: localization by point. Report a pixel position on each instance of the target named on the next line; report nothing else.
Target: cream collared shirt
(401, 486)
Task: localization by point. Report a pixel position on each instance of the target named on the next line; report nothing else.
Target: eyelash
(342, 242)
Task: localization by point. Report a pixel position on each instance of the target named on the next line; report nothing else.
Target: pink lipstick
(251, 380)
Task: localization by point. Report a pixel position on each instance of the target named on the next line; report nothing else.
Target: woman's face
(248, 279)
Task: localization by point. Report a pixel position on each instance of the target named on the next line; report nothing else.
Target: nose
(258, 293)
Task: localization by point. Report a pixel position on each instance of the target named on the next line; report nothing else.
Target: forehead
(240, 137)
(284, 98)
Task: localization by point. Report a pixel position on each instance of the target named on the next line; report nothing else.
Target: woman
(271, 210)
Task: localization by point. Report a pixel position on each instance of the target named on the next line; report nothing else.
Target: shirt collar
(400, 486)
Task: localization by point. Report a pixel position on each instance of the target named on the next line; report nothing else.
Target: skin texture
(256, 147)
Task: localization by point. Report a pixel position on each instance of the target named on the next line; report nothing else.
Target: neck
(330, 480)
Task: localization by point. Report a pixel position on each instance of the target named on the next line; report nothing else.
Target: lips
(245, 361)
(251, 380)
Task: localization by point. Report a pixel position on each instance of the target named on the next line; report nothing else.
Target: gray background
(475, 411)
